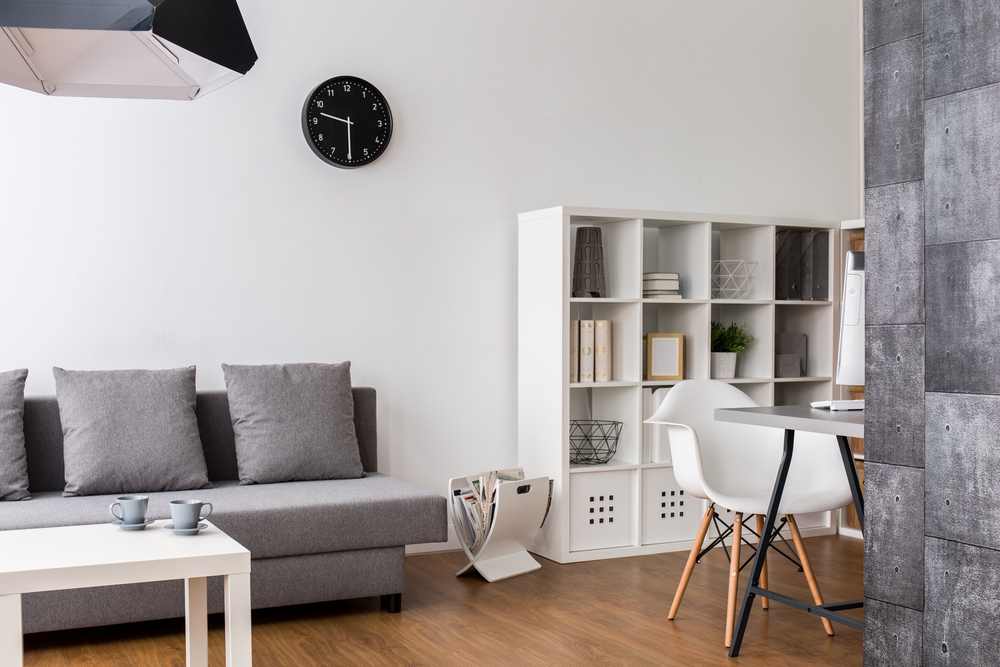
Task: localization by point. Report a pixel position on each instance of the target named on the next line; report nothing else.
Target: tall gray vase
(588, 267)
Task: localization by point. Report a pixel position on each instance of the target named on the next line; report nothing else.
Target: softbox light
(146, 49)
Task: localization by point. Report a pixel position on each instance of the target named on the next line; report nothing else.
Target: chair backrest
(707, 453)
(713, 458)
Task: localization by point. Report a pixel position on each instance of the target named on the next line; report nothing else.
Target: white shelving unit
(632, 505)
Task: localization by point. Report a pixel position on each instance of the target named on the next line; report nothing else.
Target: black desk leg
(765, 543)
(852, 479)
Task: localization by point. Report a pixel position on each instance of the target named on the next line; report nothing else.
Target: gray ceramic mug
(187, 513)
(132, 508)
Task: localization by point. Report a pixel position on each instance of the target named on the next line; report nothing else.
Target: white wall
(160, 234)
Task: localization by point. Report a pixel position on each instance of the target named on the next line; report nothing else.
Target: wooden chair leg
(807, 568)
(734, 577)
(699, 540)
(763, 573)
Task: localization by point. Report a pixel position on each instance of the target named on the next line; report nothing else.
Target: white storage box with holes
(601, 510)
(668, 514)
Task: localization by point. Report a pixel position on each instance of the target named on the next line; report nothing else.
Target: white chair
(734, 466)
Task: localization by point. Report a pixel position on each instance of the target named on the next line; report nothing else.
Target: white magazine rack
(517, 517)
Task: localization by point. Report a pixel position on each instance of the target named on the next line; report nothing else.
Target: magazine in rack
(475, 504)
(496, 515)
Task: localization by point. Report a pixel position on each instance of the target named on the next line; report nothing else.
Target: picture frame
(665, 356)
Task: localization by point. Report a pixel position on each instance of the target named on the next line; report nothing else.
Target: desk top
(800, 418)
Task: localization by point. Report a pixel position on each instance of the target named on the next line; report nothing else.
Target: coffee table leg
(196, 621)
(11, 637)
(238, 643)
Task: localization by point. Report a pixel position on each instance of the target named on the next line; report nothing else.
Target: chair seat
(791, 503)
(742, 478)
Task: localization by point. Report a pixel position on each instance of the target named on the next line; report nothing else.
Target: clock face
(347, 122)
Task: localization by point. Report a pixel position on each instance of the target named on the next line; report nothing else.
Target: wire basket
(732, 278)
(593, 441)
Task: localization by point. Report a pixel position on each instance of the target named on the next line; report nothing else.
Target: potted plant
(727, 342)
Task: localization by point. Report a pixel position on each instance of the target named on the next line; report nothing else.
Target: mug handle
(203, 506)
(111, 508)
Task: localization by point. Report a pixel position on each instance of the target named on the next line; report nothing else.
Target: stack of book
(590, 350)
(475, 504)
(661, 286)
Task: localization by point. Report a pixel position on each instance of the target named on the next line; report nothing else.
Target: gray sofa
(309, 541)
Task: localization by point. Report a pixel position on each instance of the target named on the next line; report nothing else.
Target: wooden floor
(610, 612)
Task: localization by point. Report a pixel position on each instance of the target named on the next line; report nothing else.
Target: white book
(602, 350)
(659, 441)
(647, 429)
(663, 296)
(651, 284)
(586, 350)
(661, 276)
(574, 350)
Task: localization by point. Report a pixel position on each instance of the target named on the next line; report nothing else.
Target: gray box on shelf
(790, 354)
(788, 265)
(815, 265)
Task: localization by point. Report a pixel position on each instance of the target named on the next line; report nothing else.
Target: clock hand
(348, 121)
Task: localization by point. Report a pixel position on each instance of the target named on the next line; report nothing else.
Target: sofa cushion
(129, 431)
(282, 519)
(293, 422)
(13, 462)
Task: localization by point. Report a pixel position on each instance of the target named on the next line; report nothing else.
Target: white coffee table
(46, 559)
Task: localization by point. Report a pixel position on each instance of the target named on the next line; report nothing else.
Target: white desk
(46, 559)
(791, 418)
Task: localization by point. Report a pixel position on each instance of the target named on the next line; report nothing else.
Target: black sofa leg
(392, 603)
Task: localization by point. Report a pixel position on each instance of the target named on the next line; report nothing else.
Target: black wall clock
(347, 121)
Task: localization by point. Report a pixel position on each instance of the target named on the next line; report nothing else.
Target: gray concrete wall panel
(962, 605)
(891, 20)
(894, 534)
(894, 254)
(894, 395)
(961, 45)
(894, 113)
(962, 336)
(963, 468)
(962, 200)
(893, 635)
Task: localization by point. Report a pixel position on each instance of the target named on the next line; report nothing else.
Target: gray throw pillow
(13, 463)
(293, 422)
(130, 431)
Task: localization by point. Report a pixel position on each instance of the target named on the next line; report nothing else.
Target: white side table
(46, 559)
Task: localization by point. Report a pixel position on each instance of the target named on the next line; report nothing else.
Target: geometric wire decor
(593, 441)
(732, 278)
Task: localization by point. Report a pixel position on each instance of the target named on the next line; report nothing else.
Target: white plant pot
(723, 365)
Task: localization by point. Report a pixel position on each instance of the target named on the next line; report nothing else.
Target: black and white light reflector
(146, 49)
